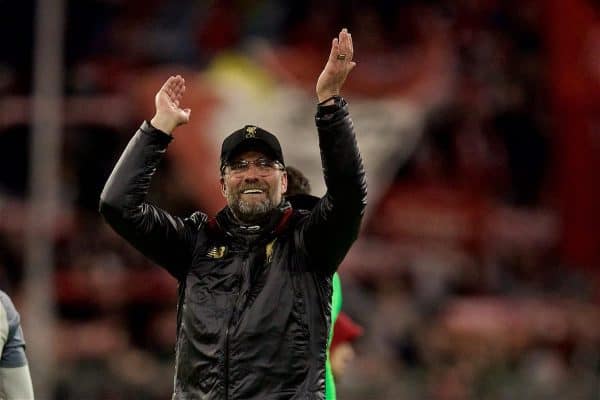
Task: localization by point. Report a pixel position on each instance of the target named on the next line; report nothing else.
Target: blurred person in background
(341, 350)
(256, 280)
(15, 380)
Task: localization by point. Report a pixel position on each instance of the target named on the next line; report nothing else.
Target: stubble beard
(250, 212)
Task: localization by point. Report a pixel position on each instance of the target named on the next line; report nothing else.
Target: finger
(167, 90)
(349, 45)
(351, 55)
(173, 87)
(345, 43)
(341, 35)
(179, 89)
(343, 39)
(175, 82)
(167, 83)
(171, 93)
(334, 49)
(186, 115)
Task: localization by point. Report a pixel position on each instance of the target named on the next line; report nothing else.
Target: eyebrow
(253, 159)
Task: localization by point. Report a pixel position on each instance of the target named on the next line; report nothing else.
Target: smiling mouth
(253, 191)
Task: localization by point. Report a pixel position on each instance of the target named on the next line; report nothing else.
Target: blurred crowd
(457, 277)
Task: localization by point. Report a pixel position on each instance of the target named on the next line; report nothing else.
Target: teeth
(252, 191)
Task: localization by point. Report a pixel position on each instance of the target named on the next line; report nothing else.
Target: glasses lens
(238, 166)
(263, 166)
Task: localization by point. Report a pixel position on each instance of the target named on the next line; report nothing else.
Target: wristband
(336, 97)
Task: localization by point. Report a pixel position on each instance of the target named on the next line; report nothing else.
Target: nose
(251, 173)
(251, 176)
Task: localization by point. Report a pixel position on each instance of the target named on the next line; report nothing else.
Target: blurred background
(477, 273)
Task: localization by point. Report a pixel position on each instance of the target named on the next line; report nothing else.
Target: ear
(223, 187)
(284, 182)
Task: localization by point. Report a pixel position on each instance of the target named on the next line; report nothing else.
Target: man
(15, 380)
(255, 281)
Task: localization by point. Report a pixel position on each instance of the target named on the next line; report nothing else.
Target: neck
(229, 222)
(253, 220)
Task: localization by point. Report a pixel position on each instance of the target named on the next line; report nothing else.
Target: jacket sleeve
(328, 232)
(165, 239)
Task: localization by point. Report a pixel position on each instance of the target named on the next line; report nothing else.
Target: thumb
(187, 111)
(352, 65)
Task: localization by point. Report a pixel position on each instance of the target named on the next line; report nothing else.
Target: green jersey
(336, 306)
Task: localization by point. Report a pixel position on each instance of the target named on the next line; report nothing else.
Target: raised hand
(338, 66)
(169, 115)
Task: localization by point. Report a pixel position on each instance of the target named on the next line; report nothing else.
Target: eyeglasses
(263, 166)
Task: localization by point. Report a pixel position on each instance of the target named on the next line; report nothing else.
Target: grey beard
(251, 213)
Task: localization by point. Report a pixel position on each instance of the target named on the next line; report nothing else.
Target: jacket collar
(229, 225)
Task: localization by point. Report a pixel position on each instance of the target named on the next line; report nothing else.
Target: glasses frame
(262, 170)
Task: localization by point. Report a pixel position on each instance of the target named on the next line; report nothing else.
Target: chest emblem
(269, 251)
(216, 252)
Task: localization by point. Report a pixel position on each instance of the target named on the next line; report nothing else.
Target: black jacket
(254, 305)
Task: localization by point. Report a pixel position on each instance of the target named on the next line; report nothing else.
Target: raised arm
(333, 224)
(166, 239)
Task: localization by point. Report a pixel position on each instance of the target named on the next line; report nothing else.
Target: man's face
(253, 192)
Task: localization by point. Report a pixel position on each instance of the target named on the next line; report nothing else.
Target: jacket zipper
(227, 361)
(227, 350)
(235, 305)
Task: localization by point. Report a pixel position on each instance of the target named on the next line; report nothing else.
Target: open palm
(169, 114)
